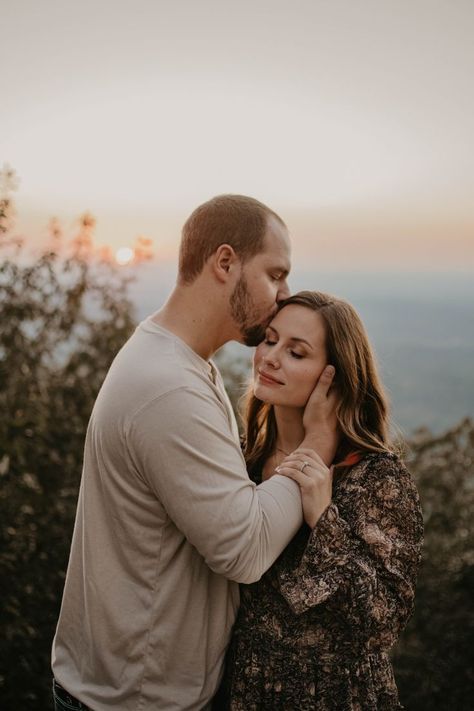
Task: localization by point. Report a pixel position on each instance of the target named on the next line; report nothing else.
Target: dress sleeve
(364, 551)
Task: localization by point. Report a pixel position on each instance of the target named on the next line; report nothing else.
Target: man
(168, 522)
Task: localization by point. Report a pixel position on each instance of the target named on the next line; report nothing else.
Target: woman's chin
(263, 395)
(279, 402)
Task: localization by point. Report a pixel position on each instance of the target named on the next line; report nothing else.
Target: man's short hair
(237, 220)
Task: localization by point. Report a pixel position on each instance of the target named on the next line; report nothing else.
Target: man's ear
(224, 262)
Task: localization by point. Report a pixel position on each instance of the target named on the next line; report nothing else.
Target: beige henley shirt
(167, 524)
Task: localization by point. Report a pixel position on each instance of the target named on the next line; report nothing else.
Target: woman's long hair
(363, 409)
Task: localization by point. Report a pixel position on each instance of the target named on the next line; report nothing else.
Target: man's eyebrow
(283, 270)
(293, 338)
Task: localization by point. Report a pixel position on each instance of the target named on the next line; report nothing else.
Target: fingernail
(277, 469)
(330, 370)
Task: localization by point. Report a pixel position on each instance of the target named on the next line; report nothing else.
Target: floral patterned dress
(315, 631)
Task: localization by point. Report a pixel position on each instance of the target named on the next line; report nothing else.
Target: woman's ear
(224, 262)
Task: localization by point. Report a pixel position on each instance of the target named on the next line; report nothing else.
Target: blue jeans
(63, 701)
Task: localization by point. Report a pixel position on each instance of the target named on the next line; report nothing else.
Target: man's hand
(319, 419)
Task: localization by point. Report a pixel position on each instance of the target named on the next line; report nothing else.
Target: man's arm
(182, 446)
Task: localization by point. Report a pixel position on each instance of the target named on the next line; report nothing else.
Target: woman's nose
(271, 359)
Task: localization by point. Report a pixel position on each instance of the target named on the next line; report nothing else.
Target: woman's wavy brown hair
(363, 409)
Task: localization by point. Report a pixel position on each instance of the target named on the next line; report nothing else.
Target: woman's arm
(365, 549)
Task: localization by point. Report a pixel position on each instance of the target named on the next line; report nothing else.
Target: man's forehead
(276, 229)
(277, 246)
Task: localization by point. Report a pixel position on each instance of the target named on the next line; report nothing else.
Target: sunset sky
(354, 120)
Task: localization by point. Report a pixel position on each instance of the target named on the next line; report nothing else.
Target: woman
(315, 631)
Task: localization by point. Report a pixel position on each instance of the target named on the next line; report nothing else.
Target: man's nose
(283, 291)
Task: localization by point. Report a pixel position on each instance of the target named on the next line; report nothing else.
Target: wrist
(322, 446)
(313, 520)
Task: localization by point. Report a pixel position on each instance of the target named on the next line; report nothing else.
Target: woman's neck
(289, 425)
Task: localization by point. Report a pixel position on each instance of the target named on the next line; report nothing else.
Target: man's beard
(242, 308)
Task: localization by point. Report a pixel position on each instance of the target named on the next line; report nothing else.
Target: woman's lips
(268, 379)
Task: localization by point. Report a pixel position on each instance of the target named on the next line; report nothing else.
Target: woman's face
(288, 363)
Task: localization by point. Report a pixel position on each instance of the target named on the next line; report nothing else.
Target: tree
(432, 660)
(63, 317)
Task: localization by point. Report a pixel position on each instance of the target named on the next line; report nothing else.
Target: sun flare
(124, 255)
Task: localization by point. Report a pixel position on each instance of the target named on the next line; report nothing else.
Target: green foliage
(63, 317)
(432, 660)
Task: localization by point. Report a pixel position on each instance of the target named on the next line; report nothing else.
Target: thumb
(324, 382)
(328, 373)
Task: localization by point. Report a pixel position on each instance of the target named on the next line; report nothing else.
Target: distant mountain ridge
(421, 326)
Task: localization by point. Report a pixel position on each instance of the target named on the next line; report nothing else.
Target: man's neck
(194, 318)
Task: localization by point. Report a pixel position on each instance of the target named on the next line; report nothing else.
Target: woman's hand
(320, 419)
(314, 478)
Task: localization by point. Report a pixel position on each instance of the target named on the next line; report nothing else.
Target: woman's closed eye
(294, 354)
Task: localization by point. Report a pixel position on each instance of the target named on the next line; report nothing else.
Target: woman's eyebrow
(292, 338)
(301, 340)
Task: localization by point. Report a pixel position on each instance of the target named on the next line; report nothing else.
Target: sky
(353, 120)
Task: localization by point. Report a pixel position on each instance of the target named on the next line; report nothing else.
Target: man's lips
(268, 378)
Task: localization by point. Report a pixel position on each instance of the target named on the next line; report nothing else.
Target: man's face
(262, 285)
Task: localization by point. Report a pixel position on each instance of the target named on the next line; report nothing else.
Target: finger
(333, 398)
(307, 454)
(324, 383)
(315, 463)
(300, 464)
(293, 465)
(309, 475)
(294, 474)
